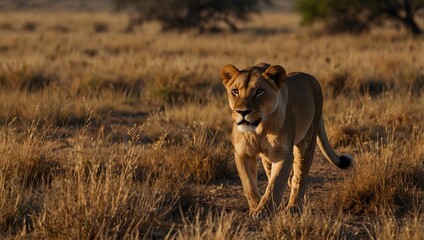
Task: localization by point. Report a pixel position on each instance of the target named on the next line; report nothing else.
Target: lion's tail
(343, 161)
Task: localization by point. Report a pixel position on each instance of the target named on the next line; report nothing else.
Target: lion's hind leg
(267, 164)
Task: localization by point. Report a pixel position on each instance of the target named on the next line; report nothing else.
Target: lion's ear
(263, 65)
(228, 72)
(277, 74)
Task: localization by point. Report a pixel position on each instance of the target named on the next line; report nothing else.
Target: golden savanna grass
(106, 134)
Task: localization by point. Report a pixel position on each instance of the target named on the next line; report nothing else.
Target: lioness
(278, 118)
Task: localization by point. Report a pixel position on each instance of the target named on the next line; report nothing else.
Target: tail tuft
(346, 161)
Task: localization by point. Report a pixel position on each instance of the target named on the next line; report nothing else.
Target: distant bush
(204, 15)
(356, 16)
(31, 79)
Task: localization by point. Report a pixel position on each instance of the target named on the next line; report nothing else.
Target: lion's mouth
(247, 123)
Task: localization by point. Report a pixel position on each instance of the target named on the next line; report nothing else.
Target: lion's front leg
(280, 171)
(247, 170)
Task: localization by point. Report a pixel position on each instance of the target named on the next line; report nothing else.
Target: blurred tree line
(204, 15)
(211, 15)
(359, 15)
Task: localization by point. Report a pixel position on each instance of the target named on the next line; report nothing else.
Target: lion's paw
(258, 214)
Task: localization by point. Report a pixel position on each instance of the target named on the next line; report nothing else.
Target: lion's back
(305, 87)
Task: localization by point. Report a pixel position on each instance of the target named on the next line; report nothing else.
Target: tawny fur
(278, 118)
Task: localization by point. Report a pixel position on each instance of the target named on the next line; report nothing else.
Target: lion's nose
(244, 112)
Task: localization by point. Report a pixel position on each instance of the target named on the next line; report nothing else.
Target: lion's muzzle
(245, 122)
(247, 118)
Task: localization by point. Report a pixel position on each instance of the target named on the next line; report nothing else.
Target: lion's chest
(252, 145)
(247, 144)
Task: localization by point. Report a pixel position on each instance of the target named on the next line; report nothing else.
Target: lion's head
(253, 93)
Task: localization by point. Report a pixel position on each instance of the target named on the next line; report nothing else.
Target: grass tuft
(387, 176)
(212, 226)
(26, 78)
(310, 224)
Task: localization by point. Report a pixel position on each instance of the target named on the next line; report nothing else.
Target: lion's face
(253, 94)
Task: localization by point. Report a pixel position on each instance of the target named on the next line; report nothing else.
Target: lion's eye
(235, 92)
(259, 92)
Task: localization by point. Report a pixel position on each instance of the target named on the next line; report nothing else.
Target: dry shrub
(387, 227)
(198, 153)
(26, 166)
(6, 26)
(206, 154)
(100, 27)
(17, 204)
(374, 87)
(310, 224)
(27, 157)
(417, 85)
(387, 176)
(30, 26)
(212, 226)
(337, 83)
(108, 204)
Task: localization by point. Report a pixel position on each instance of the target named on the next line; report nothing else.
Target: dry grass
(90, 193)
(398, 184)
(388, 228)
(212, 226)
(110, 135)
(309, 225)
